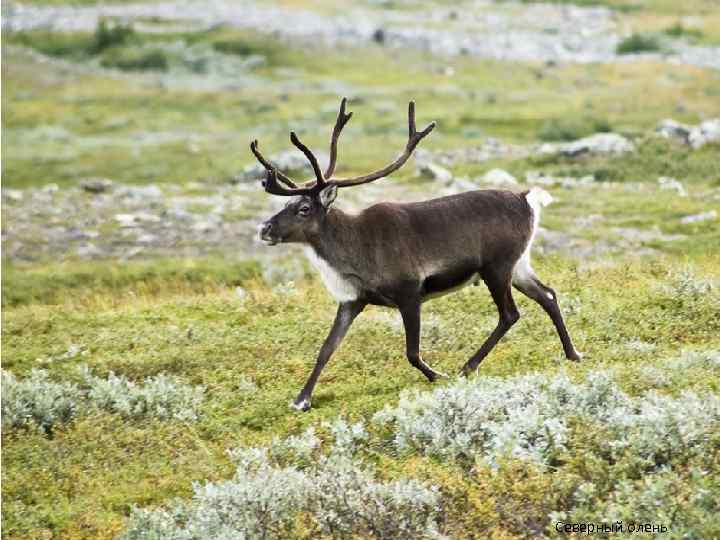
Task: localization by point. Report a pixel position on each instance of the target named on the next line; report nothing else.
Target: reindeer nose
(266, 228)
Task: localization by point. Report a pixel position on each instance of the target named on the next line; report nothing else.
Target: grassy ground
(637, 286)
(61, 483)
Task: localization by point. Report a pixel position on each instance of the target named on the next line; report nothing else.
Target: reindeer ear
(327, 195)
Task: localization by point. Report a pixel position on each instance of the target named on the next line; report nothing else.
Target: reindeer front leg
(346, 313)
(410, 311)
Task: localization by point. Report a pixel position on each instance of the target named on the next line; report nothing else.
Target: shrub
(272, 486)
(686, 501)
(160, 397)
(529, 418)
(639, 43)
(40, 401)
(686, 287)
(108, 34)
(37, 400)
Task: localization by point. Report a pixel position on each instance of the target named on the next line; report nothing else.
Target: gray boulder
(670, 129)
(498, 177)
(96, 185)
(434, 172)
(600, 143)
(697, 218)
(706, 132)
(694, 136)
(672, 184)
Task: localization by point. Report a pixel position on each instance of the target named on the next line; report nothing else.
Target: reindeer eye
(304, 210)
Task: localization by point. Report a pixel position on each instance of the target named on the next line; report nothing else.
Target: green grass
(88, 281)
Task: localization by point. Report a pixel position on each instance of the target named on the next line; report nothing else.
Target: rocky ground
(482, 28)
(101, 218)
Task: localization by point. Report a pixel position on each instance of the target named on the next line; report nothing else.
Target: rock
(490, 148)
(50, 188)
(498, 177)
(127, 220)
(707, 132)
(132, 252)
(150, 191)
(434, 172)
(695, 136)
(179, 214)
(146, 238)
(96, 185)
(77, 234)
(600, 143)
(14, 195)
(697, 218)
(134, 220)
(539, 177)
(460, 185)
(667, 183)
(240, 293)
(671, 129)
(287, 161)
(203, 226)
(89, 251)
(589, 220)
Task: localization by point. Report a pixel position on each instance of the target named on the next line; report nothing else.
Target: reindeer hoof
(465, 372)
(303, 405)
(576, 356)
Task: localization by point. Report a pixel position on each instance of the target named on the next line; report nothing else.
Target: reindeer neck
(336, 237)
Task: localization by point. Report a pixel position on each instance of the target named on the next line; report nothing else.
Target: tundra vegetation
(150, 347)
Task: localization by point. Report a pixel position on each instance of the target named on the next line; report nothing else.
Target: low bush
(110, 34)
(273, 486)
(639, 43)
(36, 400)
(530, 417)
(641, 459)
(159, 397)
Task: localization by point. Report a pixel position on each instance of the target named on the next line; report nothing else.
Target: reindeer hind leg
(526, 281)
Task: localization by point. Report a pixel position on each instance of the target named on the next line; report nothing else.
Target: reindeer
(402, 254)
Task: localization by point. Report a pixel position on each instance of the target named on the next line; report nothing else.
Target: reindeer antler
(272, 186)
(342, 119)
(414, 138)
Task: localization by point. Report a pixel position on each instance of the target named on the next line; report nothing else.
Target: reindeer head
(305, 213)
